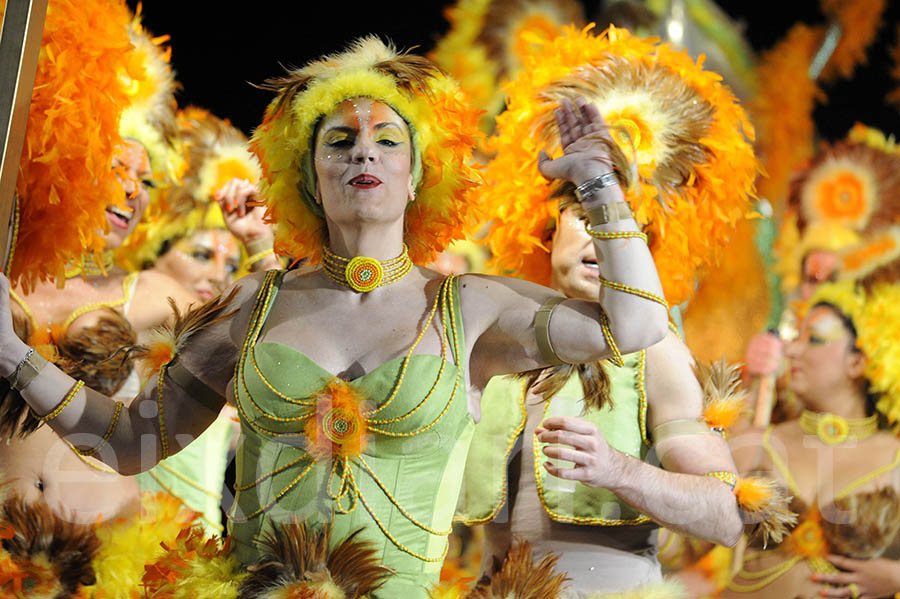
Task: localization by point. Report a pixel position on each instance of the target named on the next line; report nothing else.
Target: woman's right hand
(584, 157)
(12, 349)
(764, 355)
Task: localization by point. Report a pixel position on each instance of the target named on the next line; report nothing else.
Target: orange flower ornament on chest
(338, 427)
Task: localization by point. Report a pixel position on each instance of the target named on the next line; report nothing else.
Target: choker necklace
(87, 267)
(834, 430)
(365, 274)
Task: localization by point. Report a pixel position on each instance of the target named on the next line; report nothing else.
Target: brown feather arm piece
(865, 524)
(171, 338)
(296, 557)
(38, 533)
(519, 577)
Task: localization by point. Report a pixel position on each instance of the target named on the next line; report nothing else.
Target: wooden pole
(20, 45)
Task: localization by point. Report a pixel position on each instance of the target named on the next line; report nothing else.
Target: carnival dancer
(844, 194)
(603, 417)
(351, 380)
(119, 87)
(187, 238)
(837, 462)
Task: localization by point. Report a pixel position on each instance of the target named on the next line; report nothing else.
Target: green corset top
(383, 452)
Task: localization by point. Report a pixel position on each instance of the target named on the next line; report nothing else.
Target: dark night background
(218, 48)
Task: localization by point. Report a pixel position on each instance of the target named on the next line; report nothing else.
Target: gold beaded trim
(126, 295)
(617, 358)
(117, 413)
(348, 487)
(89, 268)
(363, 274)
(641, 387)
(257, 257)
(64, 403)
(832, 429)
(729, 478)
(582, 520)
(163, 434)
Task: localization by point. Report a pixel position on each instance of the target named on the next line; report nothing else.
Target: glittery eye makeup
(822, 328)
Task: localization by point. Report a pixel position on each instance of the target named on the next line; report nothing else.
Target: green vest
(196, 474)
(503, 416)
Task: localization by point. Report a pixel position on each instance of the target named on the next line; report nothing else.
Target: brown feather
(192, 321)
(722, 391)
(863, 525)
(519, 577)
(97, 354)
(68, 546)
(294, 553)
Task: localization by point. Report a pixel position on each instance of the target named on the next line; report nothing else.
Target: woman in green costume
(358, 383)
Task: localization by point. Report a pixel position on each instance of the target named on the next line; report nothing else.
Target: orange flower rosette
(337, 428)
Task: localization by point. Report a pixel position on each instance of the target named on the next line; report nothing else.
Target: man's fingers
(566, 438)
(575, 425)
(570, 455)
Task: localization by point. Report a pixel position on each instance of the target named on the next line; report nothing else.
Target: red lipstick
(365, 181)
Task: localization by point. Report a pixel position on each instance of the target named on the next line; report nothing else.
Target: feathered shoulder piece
(442, 125)
(681, 147)
(518, 576)
(725, 400)
(872, 527)
(296, 562)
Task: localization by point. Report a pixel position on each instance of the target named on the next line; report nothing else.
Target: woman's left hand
(595, 461)
(871, 578)
(244, 220)
(584, 156)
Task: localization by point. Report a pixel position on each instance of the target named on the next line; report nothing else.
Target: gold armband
(679, 428)
(729, 478)
(542, 331)
(64, 403)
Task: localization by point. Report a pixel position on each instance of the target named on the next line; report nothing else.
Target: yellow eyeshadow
(332, 137)
(388, 135)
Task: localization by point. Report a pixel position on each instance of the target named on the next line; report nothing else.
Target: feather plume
(519, 577)
(865, 525)
(297, 557)
(39, 536)
(860, 21)
(169, 339)
(764, 505)
(725, 399)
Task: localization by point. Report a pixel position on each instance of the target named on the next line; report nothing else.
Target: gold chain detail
(66, 400)
(126, 294)
(113, 423)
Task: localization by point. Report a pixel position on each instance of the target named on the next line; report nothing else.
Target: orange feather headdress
(683, 131)
(442, 126)
(94, 71)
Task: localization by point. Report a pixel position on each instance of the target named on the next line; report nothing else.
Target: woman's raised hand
(584, 157)
(243, 218)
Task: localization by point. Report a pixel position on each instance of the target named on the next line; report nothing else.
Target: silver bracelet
(591, 186)
(27, 370)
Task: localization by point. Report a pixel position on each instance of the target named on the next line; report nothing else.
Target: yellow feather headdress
(682, 130)
(876, 316)
(849, 191)
(150, 117)
(487, 40)
(215, 152)
(442, 125)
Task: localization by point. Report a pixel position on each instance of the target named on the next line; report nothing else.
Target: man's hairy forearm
(698, 506)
